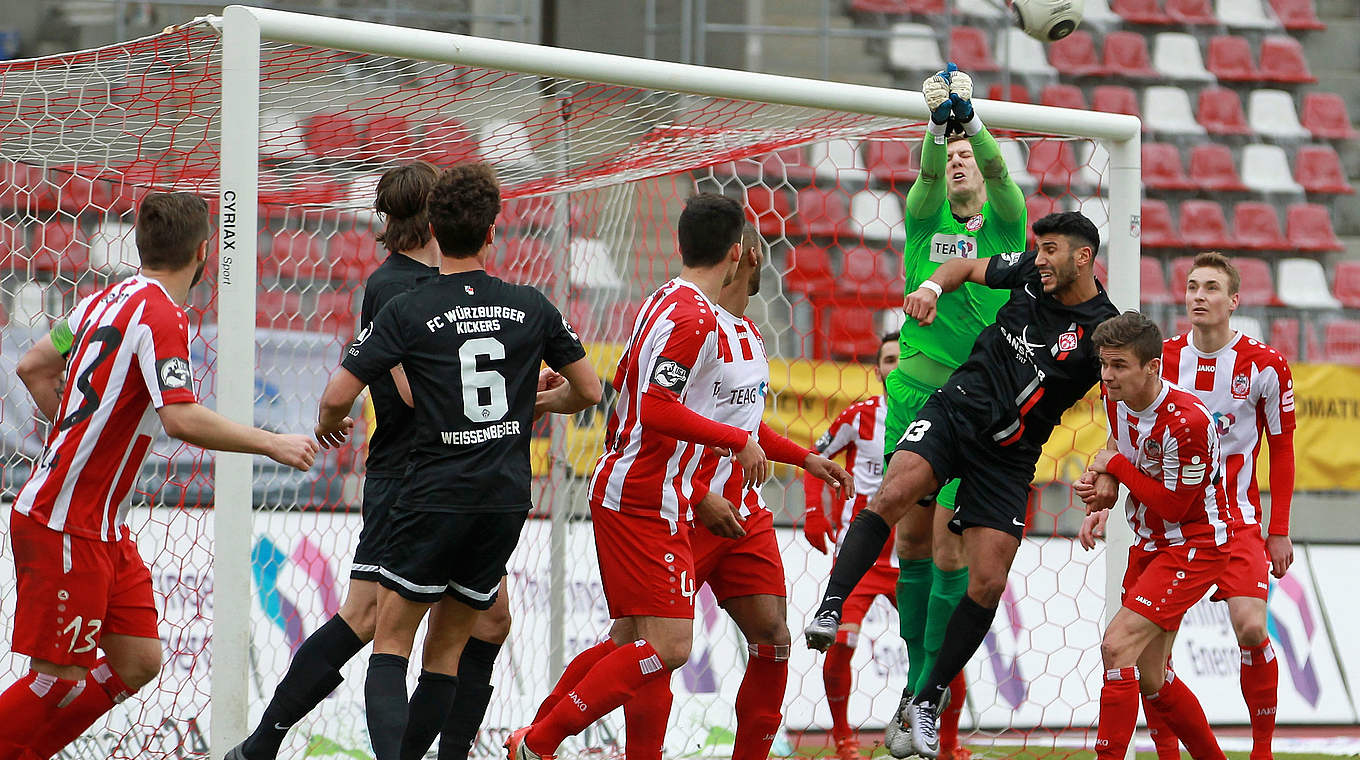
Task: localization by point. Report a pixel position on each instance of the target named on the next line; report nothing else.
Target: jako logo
(575, 700)
(268, 560)
(1143, 601)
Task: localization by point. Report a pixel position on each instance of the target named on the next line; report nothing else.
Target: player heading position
(641, 494)
(470, 345)
(999, 407)
(1165, 450)
(82, 587)
(1248, 388)
(963, 205)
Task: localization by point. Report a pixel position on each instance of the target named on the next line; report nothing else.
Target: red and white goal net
(594, 172)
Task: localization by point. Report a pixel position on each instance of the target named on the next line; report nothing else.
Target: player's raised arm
(920, 303)
(1005, 196)
(930, 190)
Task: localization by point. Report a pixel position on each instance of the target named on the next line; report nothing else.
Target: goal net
(285, 122)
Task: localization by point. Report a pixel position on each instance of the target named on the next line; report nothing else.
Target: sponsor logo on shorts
(1143, 601)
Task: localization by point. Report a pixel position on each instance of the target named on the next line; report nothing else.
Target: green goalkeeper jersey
(934, 235)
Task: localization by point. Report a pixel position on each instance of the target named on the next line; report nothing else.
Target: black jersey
(471, 345)
(390, 444)
(1035, 362)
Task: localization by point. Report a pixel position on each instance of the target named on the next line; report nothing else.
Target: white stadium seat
(28, 306)
(1265, 168)
(1303, 285)
(876, 215)
(1248, 326)
(914, 48)
(113, 248)
(1167, 109)
(1014, 154)
(1176, 55)
(1271, 113)
(838, 160)
(979, 9)
(1021, 54)
(1245, 14)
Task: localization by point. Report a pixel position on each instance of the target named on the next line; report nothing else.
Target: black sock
(967, 628)
(469, 706)
(385, 704)
(429, 708)
(863, 543)
(312, 676)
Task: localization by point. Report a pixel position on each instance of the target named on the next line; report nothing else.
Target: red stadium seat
(1162, 168)
(1212, 168)
(1063, 96)
(1341, 342)
(1204, 226)
(334, 135)
(528, 262)
(1113, 98)
(296, 255)
(279, 310)
(451, 142)
(1153, 281)
(1282, 60)
(1325, 115)
(769, 209)
(1309, 228)
(1158, 229)
(354, 254)
(1258, 283)
(1284, 337)
(1346, 283)
(1257, 226)
(1126, 55)
(890, 7)
(1191, 12)
(968, 47)
(866, 272)
(335, 313)
(1220, 112)
(1318, 169)
(1075, 55)
(1140, 12)
(1230, 59)
(809, 270)
(60, 246)
(1016, 93)
(12, 251)
(790, 164)
(892, 161)
(1052, 162)
(1180, 274)
(534, 211)
(821, 213)
(851, 332)
(1297, 15)
(1038, 206)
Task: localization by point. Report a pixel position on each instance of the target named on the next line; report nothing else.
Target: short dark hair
(1130, 330)
(1073, 224)
(887, 340)
(402, 192)
(170, 227)
(1216, 260)
(750, 236)
(462, 205)
(709, 226)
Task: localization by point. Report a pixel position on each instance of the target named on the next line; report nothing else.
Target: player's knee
(140, 670)
(1251, 633)
(773, 632)
(673, 654)
(361, 617)
(1151, 680)
(1112, 652)
(493, 625)
(985, 589)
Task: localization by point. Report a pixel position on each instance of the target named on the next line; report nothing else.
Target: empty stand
(808, 270)
(851, 333)
(451, 142)
(333, 135)
(1244, 14)
(1341, 341)
(1231, 60)
(969, 48)
(1282, 60)
(1126, 55)
(893, 161)
(1285, 337)
(983, 9)
(1325, 115)
(821, 213)
(867, 273)
(1063, 96)
(1303, 285)
(1099, 14)
(1176, 55)
(876, 214)
(1220, 111)
(1052, 162)
(1271, 113)
(1158, 231)
(1297, 15)
(1265, 169)
(354, 254)
(1203, 225)
(1024, 55)
(1258, 284)
(1191, 12)
(1317, 168)
(1248, 326)
(1075, 55)
(1309, 228)
(1038, 206)
(1212, 168)
(1140, 11)
(1162, 169)
(1015, 156)
(508, 143)
(60, 246)
(1166, 109)
(913, 48)
(789, 163)
(769, 209)
(1346, 283)
(1014, 93)
(1257, 226)
(113, 247)
(1153, 281)
(1113, 98)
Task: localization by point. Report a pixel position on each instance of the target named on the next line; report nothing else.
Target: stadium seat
(527, 261)
(1015, 156)
(808, 270)
(1258, 286)
(888, 7)
(450, 142)
(1162, 168)
(1126, 55)
(335, 313)
(1152, 281)
(893, 161)
(821, 213)
(1244, 14)
(1265, 169)
(867, 272)
(1297, 15)
(354, 254)
(913, 48)
(1230, 59)
(1097, 209)
(1284, 337)
(876, 214)
(1257, 226)
(1220, 111)
(1052, 162)
(531, 212)
(1140, 12)
(1063, 96)
(1303, 285)
(1325, 115)
(1180, 275)
(979, 9)
(507, 143)
(1075, 55)
(851, 332)
(1166, 109)
(787, 164)
(295, 255)
(60, 246)
(1158, 231)
(1113, 98)
(1271, 113)
(1282, 60)
(1093, 169)
(1191, 12)
(1346, 283)
(1024, 55)
(113, 247)
(1202, 225)
(1176, 56)
(388, 137)
(1341, 342)
(769, 209)
(1212, 168)
(837, 160)
(1015, 93)
(1098, 14)
(29, 306)
(969, 48)
(1248, 326)
(1318, 169)
(1038, 206)
(279, 310)
(1309, 228)
(333, 135)
(281, 134)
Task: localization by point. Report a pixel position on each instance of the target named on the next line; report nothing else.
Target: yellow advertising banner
(1327, 441)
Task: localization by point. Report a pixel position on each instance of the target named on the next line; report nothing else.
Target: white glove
(936, 90)
(961, 84)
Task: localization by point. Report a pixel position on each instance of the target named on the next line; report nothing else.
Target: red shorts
(73, 590)
(1162, 585)
(743, 566)
(881, 580)
(1248, 572)
(646, 566)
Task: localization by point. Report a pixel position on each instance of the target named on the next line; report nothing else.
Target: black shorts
(379, 496)
(994, 482)
(462, 554)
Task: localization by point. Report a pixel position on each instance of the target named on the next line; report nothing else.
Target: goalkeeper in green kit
(964, 204)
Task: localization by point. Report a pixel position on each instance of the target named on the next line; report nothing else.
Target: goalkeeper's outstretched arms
(929, 192)
(1005, 196)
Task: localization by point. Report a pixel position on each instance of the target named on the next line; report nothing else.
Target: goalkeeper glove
(936, 91)
(961, 96)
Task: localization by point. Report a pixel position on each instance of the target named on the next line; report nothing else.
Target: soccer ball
(1048, 20)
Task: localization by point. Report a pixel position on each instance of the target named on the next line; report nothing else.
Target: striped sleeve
(162, 348)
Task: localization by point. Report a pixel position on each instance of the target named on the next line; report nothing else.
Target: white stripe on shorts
(471, 594)
(409, 585)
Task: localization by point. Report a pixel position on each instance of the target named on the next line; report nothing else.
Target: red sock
(1118, 713)
(949, 719)
(32, 708)
(644, 719)
(616, 677)
(572, 675)
(100, 691)
(836, 676)
(1182, 711)
(759, 700)
(1163, 738)
(1260, 688)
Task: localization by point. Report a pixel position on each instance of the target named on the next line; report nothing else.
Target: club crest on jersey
(1241, 385)
(1152, 449)
(670, 374)
(174, 373)
(468, 289)
(974, 223)
(1067, 341)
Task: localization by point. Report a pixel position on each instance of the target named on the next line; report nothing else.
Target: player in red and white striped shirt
(641, 493)
(82, 587)
(1164, 448)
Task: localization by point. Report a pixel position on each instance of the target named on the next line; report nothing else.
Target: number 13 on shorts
(81, 644)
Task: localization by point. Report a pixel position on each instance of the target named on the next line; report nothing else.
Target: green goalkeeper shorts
(906, 395)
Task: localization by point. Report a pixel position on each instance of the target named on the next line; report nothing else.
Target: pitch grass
(997, 752)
